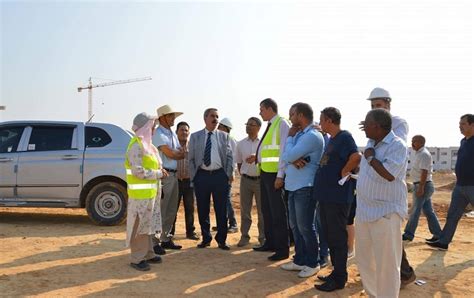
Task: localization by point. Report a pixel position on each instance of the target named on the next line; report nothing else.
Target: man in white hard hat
(167, 142)
(225, 125)
(380, 98)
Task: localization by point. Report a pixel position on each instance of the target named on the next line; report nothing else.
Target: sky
(231, 55)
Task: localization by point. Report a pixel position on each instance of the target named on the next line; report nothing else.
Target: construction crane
(91, 86)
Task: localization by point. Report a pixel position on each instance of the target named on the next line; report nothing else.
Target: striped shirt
(377, 197)
(183, 166)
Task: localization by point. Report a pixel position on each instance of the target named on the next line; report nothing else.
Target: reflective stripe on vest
(270, 154)
(137, 188)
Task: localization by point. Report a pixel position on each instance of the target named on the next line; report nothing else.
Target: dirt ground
(59, 252)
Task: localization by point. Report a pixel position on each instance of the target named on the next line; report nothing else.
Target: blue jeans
(301, 208)
(323, 242)
(461, 196)
(419, 204)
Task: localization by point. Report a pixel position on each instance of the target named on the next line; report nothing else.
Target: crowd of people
(309, 181)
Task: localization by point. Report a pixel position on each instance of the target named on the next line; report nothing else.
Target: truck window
(9, 138)
(97, 137)
(44, 138)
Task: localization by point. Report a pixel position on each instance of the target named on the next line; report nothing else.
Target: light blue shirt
(377, 197)
(164, 136)
(308, 142)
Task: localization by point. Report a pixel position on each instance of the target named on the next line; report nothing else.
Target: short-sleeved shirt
(465, 163)
(421, 161)
(164, 136)
(335, 157)
(245, 148)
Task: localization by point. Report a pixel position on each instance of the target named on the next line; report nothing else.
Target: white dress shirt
(245, 148)
(216, 162)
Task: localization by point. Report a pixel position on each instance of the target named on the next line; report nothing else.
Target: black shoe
(405, 238)
(192, 236)
(406, 281)
(278, 257)
(330, 286)
(159, 250)
(142, 266)
(432, 239)
(438, 245)
(155, 260)
(325, 278)
(263, 247)
(204, 244)
(324, 262)
(170, 245)
(223, 246)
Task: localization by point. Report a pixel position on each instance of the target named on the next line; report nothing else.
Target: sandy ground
(59, 252)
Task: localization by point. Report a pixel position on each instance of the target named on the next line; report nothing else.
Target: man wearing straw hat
(167, 142)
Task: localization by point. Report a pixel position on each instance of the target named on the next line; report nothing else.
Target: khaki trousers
(141, 245)
(250, 188)
(378, 254)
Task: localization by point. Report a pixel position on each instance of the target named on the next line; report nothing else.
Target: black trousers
(274, 211)
(186, 193)
(334, 221)
(406, 271)
(215, 184)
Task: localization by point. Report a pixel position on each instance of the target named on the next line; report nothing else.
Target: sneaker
(292, 267)
(142, 266)
(350, 254)
(406, 239)
(232, 230)
(438, 245)
(324, 262)
(308, 271)
(432, 239)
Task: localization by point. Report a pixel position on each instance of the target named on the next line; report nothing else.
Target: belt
(415, 183)
(184, 179)
(251, 177)
(212, 172)
(170, 170)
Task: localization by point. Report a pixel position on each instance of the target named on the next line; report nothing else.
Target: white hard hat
(226, 122)
(379, 93)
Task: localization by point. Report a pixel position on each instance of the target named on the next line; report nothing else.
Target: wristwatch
(369, 159)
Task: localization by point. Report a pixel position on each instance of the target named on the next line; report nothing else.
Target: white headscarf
(145, 134)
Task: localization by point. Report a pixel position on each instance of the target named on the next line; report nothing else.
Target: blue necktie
(207, 150)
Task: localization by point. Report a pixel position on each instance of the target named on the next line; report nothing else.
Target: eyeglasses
(250, 124)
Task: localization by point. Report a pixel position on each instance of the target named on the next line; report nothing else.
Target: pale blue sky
(232, 55)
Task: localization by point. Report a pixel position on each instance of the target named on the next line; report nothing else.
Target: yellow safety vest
(141, 189)
(270, 151)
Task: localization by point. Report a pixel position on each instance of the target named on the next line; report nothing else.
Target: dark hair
(382, 117)
(421, 138)
(269, 103)
(333, 114)
(469, 118)
(182, 123)
(258, 121)
(305, 109)
(208, 110)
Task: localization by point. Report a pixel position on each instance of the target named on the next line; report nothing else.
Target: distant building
(443, 158)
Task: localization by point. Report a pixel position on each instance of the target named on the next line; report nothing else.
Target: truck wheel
(106, 203)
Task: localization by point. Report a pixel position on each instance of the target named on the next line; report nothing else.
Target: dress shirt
(165, 136)
(216, 162)
(400, 127)
(245, 148)
(306, 143)
(284, 128)
(376, 196)
(421, 161)
(183, 167)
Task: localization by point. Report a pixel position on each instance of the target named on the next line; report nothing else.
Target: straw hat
(165, 110)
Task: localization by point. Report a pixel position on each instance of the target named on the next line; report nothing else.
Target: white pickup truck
(65, 164)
